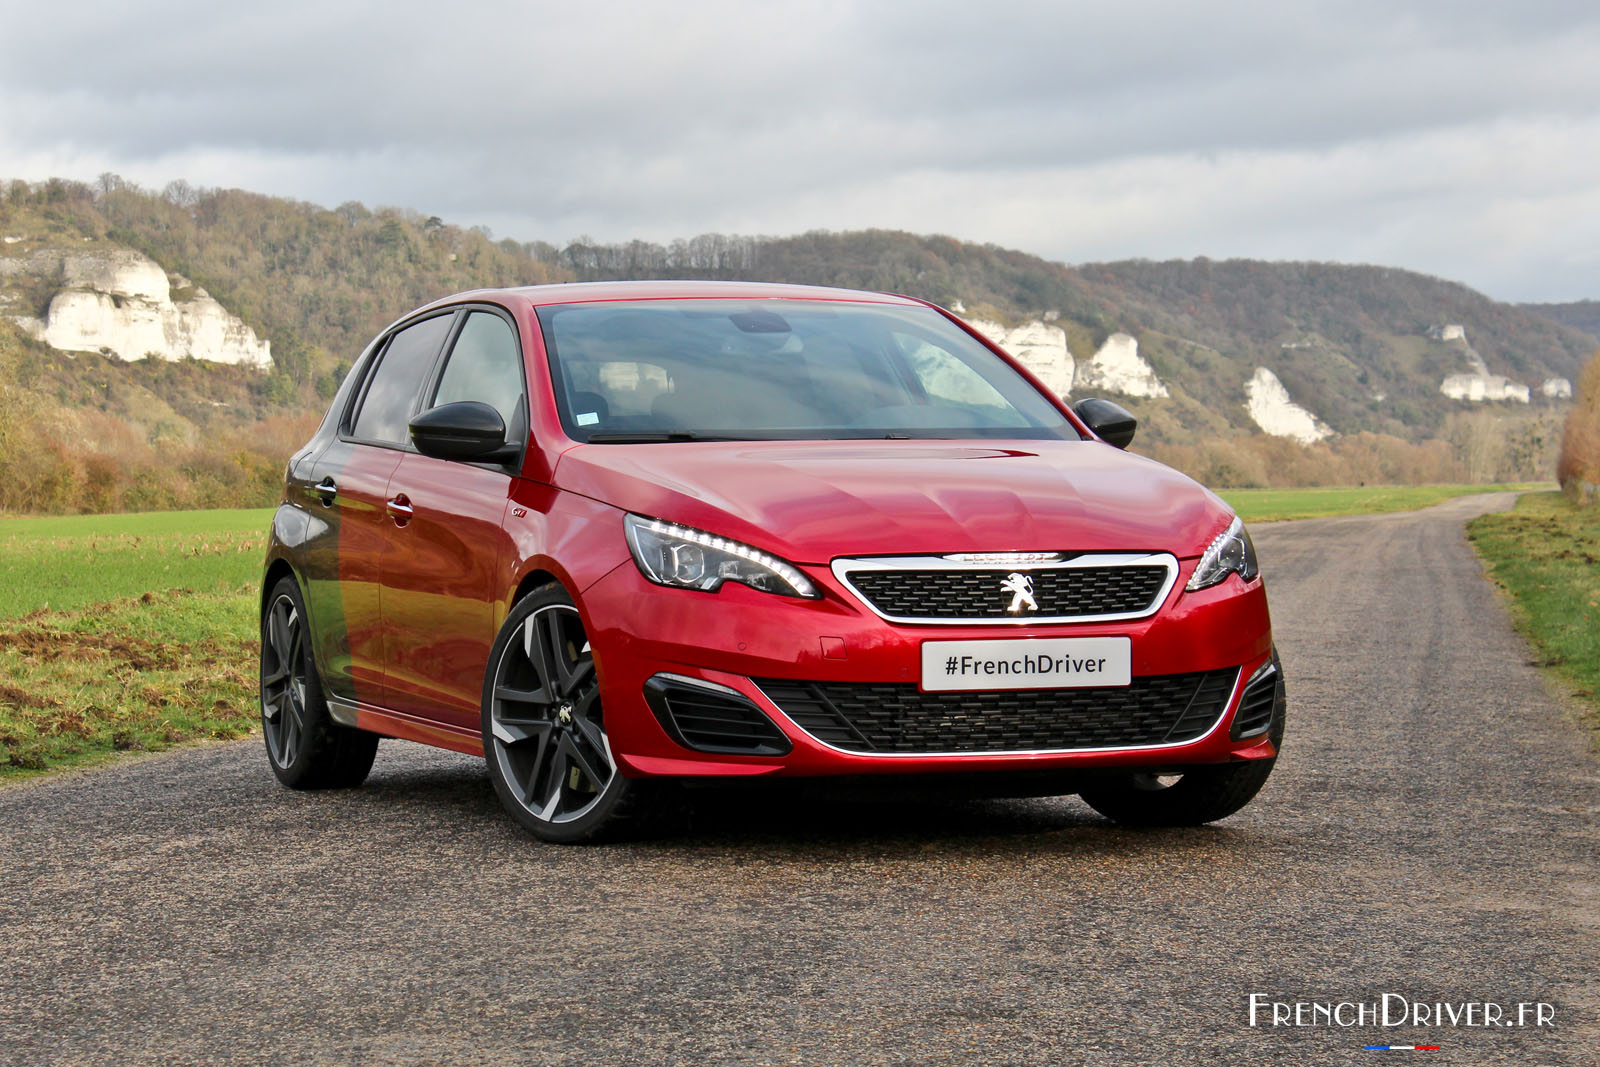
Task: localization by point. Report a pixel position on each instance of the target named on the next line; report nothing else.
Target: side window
(485, 365)
(385, 414)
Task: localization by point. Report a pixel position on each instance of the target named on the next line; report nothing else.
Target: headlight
(1230, 553)
(685, 558)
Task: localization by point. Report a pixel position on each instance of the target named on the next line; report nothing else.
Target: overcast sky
(1461, 139)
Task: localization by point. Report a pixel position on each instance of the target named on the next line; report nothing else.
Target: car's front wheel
(1198, 795)
(544, 730)
(306, 748)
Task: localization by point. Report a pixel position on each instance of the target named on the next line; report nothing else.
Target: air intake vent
(1254, 716)
(708, 719)
(1155, 710)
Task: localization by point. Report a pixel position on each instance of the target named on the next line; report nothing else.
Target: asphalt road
(1430, 832)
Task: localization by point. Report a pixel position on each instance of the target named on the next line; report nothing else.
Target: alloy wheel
(283, 681)
(545, 720)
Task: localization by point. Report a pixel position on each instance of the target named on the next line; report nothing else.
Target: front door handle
(325, 491)
(400, 509)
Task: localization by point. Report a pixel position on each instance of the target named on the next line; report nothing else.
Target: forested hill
(1580, 315)
(1339, 337)
(1363, 350)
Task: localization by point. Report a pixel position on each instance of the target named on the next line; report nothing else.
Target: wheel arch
(277, 570)
(537, 578)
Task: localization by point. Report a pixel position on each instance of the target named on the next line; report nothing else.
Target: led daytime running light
(1205, 572)
(784, 570)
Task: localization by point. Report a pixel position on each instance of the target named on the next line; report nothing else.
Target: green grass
(125, 632)
(1545, 553)
(1271, 505)
(81, 560)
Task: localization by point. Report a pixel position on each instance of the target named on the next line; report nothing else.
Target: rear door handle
(325, 491)
(400, 509)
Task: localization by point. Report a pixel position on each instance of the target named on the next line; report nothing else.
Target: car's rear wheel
(544, 731)
(306, 748)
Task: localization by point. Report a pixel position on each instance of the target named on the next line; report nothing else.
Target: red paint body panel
(363, 538)
(639, 630)
(812, 501)
(441, 581)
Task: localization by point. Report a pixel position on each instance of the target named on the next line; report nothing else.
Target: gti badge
(1020, 586)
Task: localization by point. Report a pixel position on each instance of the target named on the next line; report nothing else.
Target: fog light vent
(1254, 716)
(712, 718)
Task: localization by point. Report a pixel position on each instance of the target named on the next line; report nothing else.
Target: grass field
(125, 632)
(1546, 554)
(1269, 505)
(137, 632)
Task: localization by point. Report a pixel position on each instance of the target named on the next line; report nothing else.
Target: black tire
(1199, 795)
(544, 729)
(305, 747)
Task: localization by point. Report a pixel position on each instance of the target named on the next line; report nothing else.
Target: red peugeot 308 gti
(615, 535)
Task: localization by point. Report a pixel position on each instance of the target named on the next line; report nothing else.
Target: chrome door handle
(325, 491)
(400, 509)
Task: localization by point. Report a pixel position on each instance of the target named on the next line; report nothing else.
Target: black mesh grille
(900, 718)
(1061, 592)
(1255, 706)
(708, 721)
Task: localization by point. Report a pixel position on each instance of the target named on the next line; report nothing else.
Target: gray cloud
(1446, 137)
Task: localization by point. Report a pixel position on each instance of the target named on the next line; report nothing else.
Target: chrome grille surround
(990, 565)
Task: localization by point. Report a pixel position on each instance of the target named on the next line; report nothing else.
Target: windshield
(665, 370)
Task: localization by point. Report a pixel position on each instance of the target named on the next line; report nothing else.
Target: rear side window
(385, 414)
(485, 365)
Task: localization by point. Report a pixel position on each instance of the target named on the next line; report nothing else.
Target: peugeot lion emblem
(1020, 586)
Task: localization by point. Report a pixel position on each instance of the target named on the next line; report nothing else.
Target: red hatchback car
(611, 535)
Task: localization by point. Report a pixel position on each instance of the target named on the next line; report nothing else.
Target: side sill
(405, 727)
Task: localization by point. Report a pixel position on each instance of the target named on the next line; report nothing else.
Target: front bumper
(639, 630)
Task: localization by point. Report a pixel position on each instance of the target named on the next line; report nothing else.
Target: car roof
(594, 292)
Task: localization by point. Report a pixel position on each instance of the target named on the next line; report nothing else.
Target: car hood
(813, 501)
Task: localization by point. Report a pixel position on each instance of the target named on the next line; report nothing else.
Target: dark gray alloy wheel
(306, 748)
(544, 728)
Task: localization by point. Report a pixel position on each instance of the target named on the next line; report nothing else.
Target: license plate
(1027, 663)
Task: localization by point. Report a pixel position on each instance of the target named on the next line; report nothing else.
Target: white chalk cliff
(120, 302)
(1040, 347)
(1276, 413)
(1118, 368)
(1477, 388)
(1475, 384)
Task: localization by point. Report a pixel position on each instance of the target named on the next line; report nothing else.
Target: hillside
(1346, 367)
(1580, 315)
(1338, 337)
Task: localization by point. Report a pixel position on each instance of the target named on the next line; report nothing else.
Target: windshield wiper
(647, 437)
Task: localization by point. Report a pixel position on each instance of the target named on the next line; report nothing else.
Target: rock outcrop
(1040, 347)
(1118, 368)
(1273, 410)
(1477, 388)
(120, 303)
(1475, 385)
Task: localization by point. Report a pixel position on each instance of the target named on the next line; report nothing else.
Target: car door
(348, 482)
(440, 578)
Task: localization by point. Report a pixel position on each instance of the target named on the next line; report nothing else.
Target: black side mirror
(1112, 423)
(467, 429)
